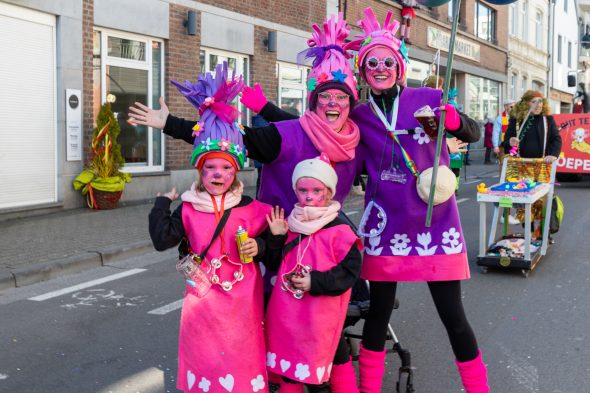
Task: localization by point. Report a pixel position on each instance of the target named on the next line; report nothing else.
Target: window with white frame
(513, 86)
(539, 30)
(559, 48)
(524, 17)
(129, 68)
(565, 6)
(524, 84)
(536, 85)
(237, 62)
(512, 20)
(292, 88)
(569, 54)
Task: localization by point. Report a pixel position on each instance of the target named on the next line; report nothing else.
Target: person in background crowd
(487, 142)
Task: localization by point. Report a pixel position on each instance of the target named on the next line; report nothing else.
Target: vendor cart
(516, 250)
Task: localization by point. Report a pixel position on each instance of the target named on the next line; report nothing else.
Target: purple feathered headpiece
(216, 129)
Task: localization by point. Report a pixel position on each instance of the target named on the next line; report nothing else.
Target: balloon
(432, 3)
(500, 2)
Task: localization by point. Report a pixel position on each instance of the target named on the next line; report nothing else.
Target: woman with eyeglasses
(532, 130)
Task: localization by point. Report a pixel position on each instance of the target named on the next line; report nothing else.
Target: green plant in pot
(103, 182)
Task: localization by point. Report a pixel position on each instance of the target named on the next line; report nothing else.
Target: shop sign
(73, 125)
(439, 39)
(575, 137)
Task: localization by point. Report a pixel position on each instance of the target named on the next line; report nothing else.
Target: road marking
(462, 200)
(351, 213)
(472, 181)
(84, 285)
(167, 308)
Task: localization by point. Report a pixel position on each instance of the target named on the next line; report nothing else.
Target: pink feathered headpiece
(373, 35)
(330, 62)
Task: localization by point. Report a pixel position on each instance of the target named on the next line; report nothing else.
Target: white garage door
(27, 107)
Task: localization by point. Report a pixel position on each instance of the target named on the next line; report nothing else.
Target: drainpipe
(550, 47)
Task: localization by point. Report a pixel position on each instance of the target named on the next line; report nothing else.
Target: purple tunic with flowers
(275, 183)
(407, 250)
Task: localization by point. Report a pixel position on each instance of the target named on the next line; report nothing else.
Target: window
(513, 86)
(524, 17)
(565, 5)
(129, 68)
(485, 22)
(569, 54)
(536, 85)
(331, 8)
(484, 97)
(512, 20)
(292, 88)
(239, 63)
(559, 49)
(524, 84)
(539, 30)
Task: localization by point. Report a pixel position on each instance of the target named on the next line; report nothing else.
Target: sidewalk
(43, 247)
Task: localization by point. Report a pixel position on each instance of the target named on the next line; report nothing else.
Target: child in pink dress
(221, 342)
(320, 260)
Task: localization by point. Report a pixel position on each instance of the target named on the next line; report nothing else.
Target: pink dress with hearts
(221, 342)
(302, 334)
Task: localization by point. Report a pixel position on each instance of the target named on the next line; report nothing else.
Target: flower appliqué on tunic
(451, 237)
(399, 244)
(302, 371)
(421, 136)
(374, 249)
(257, 383)
(424, 239)
(204, 384)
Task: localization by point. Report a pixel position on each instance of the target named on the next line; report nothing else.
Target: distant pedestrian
(487, 142)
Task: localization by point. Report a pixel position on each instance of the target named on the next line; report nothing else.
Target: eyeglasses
(340, 98)
(373, 63)
(536, 101)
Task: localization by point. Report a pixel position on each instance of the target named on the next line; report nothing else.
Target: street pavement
(113, 327)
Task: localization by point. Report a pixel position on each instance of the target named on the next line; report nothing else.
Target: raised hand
(452, 119)
(276, 221)
(172, 194)
(253, 98)
(456, 146)
(146, 116)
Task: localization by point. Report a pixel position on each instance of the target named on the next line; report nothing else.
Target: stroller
(358, 309)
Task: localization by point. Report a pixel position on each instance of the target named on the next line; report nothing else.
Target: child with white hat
(319, 257)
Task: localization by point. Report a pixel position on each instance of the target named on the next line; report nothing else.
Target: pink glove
(452, 119)
(253, 98)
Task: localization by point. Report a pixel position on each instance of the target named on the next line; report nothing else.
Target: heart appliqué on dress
(285, 364)
(227, 382)
(320, 373)
(190, 379)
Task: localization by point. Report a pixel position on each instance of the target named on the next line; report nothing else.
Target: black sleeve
(468, 131)
(274, 251)
(270, 112)
(261, 242)
(553, 138)
(166, 230)
(263, 143)
(510, 133)
(340, 278)
(179, 128)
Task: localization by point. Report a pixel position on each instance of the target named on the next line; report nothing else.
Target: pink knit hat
(373, 35)
(330, 64)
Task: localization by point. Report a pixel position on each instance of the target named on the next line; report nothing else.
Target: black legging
(447, 300)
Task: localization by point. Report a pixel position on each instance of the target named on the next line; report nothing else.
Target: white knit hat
(318, 168)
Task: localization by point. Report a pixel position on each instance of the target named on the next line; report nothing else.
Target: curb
(76, 263)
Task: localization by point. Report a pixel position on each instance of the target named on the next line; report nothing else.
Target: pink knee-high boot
(474, 375)
(371, 370)
(343, 378)
(287, 387)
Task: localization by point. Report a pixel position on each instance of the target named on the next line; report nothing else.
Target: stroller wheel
(405, 383)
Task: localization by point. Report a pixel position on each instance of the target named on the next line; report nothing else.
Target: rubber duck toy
(481, 188)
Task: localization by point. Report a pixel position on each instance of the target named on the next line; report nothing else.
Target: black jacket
(531, 138)
(333, 282)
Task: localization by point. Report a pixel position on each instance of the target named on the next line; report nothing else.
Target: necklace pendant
(394, 175)
(215, 279)
(381, 215)
(226, 285)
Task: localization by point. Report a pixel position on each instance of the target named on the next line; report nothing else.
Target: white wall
(566, 27)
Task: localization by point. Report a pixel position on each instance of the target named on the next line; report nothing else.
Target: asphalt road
(120, 334)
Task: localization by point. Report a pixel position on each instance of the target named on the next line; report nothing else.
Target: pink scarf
(339, 146)
(201, 200)
(308, 220)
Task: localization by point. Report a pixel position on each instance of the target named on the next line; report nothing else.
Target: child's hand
(172, 194)
(276, 221)
(250, 248)
(456, 146)
(302, 282)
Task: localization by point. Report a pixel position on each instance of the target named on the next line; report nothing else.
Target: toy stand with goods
(525, 185)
